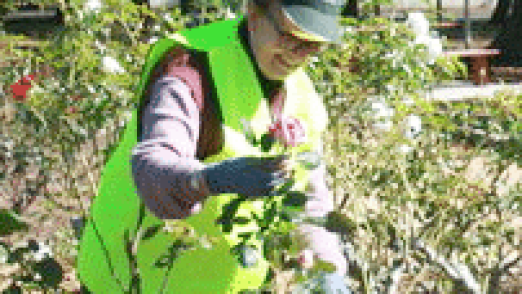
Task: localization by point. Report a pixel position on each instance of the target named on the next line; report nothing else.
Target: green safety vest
(117, 212)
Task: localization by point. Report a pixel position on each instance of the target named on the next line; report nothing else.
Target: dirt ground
(57, 230)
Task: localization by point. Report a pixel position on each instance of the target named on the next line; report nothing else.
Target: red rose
(288, 131)
(27, 79)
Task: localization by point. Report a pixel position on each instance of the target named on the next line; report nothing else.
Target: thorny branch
(460, 273)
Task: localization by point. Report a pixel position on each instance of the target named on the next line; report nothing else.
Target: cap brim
(315, 25)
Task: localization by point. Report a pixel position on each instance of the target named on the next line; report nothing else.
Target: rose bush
(283, 245)
(388, 200)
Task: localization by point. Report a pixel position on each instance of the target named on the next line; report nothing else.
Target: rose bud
(288, 131)
(306, 259)
(76, 97)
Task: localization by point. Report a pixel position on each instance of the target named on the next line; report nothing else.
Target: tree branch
(458, 272)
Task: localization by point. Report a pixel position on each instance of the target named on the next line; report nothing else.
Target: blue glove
(247, 176)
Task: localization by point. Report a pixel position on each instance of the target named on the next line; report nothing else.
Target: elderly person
(183, 155)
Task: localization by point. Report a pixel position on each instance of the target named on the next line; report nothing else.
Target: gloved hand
(248, 176)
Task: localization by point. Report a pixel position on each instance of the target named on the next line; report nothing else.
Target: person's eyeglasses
(289, 41)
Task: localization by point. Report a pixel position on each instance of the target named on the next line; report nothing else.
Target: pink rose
(306, 259)
(288, 131)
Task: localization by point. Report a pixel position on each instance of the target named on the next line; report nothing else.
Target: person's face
(273, 51)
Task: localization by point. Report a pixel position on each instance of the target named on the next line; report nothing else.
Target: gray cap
(319, 19)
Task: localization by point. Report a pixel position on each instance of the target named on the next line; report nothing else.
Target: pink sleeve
(324, 244)
(164, 159)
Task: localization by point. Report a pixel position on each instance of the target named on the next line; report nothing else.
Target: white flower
(93, 6)
(229, 14)
(44, 251)
(111, 65)
(37, 277)
(434, 49)
(418, 23)
(80, 14)
(405, 149)
(390, 88)
(434, 46)
(153, 40)
(167, 17)
(382, 111)
(100, 46)
(413, 126)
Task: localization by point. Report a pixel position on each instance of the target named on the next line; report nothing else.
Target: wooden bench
(480, 67)
(30, 20)
(513, 74)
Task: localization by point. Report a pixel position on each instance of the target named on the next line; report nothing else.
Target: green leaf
(226, 226)
(271, 213)
(323, 266)
(4, 253)
(246, 235)
(295, 199)
(287, 186)
(338, 222)
(267, 141)
(241, 220)
(227, 216)
(10, 223)
(255, 216)
(151, 232)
